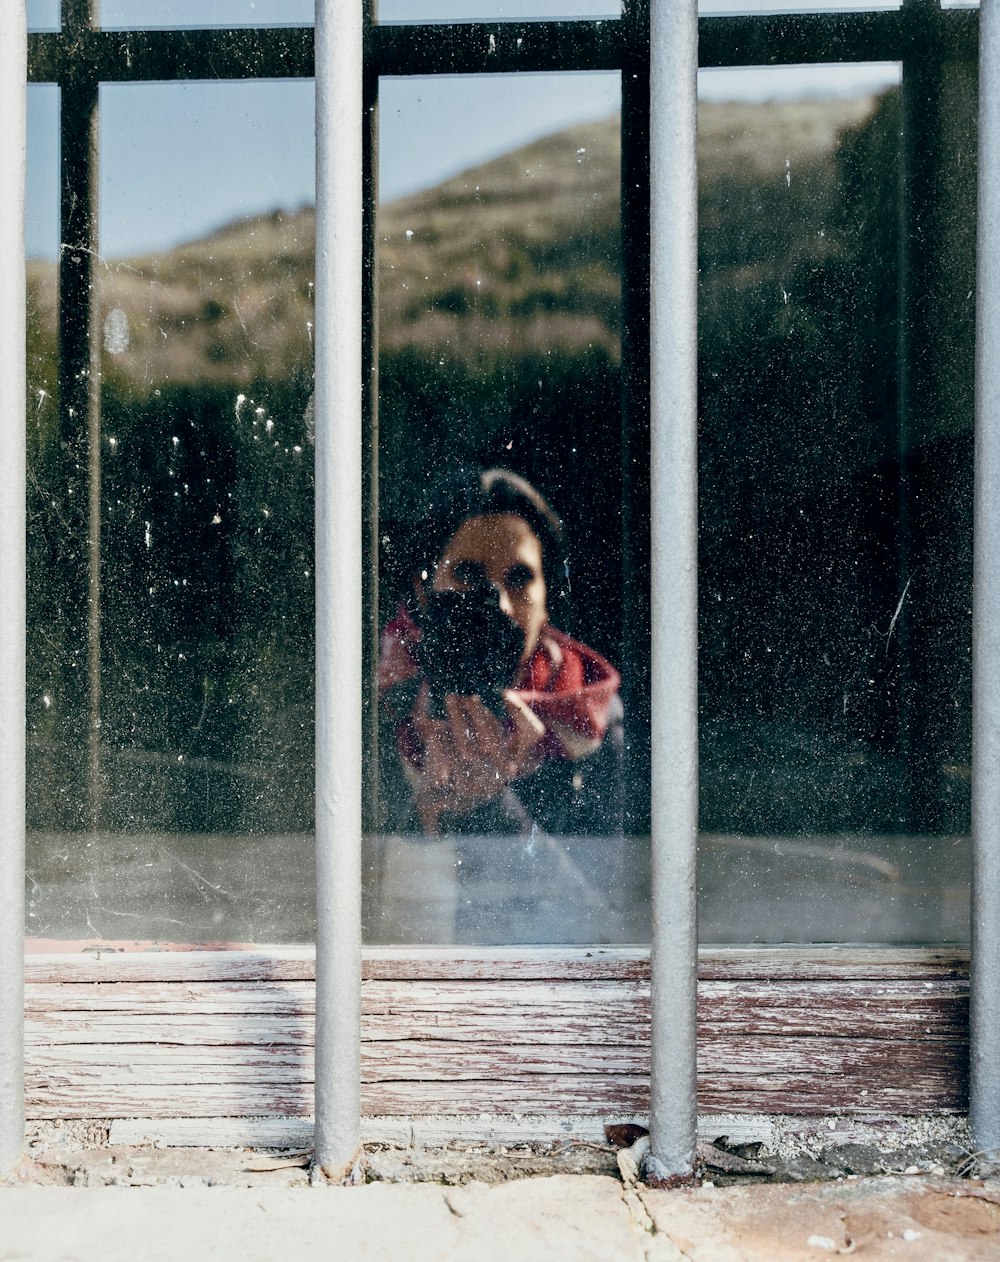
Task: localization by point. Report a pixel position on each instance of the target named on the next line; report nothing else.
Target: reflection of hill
(520, 253)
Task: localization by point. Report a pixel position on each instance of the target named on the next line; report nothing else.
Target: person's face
(504, 551)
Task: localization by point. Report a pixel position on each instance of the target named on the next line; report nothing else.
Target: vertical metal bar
(984, 1085)
(674, 566)
(13, 96)
(339, 611)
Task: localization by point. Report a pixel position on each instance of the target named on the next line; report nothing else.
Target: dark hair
(456, 496)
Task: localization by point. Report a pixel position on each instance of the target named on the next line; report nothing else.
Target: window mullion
(674, 580)
(13, 96)
(339, 583)
(984, 1085)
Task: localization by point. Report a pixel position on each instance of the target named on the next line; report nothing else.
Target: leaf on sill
(728, 1162)
(624, 1134)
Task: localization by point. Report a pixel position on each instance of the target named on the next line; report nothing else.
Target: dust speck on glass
(171, 650)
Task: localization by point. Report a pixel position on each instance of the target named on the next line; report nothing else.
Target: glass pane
(500, 795)
(42, 189)
(43, 535)
(424, 140)
(43, 15)
(493, 10)
(835, 521)
(856, 82)
(731, 8)
(173, 783)
(139, 14)
(180, 161)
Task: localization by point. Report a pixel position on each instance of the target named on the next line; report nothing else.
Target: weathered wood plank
(557, 1094)
(614, 1093)
(433, 1061)
(171, 997)
(294, 1031)
(792, 1096)
(895, 1009)
(840, 1058)
(298, 964)
(511, 963)
(131, 1099)
(603, 1012)
(294, 997)
(178, 1030)
(194, 1030)
(550, 1032)
(417, 1061)
(831, 962)
(104, 1065)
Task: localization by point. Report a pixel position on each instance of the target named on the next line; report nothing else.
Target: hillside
(518, 254)
(499, 328)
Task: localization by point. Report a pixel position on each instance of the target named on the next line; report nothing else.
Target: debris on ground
(788, 1150)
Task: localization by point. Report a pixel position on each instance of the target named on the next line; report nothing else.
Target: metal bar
(281, 52)
(493, 47)
(984, 1079)
(339, 605)
(674, 580)
(137, 56)
(79, 15)
(800, 38)
(790, 39)
(13, 55)
(498, 47)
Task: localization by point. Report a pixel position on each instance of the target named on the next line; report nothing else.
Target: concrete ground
(562, 1217)
(903, 1189)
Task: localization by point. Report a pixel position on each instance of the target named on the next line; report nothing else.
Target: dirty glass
(42, 438)
(499, 803)
(727, 8)
(171, 658)
(170, 649)
(138, 14)
(835, 526)
(493, 10)
(42, 176)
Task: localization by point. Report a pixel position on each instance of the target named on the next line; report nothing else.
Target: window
(170, 709)
(169, 685)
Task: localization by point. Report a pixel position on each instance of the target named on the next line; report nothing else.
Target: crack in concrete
(452, 1207)
(656, 1245)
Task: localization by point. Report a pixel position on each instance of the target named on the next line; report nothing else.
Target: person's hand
(471, 756)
